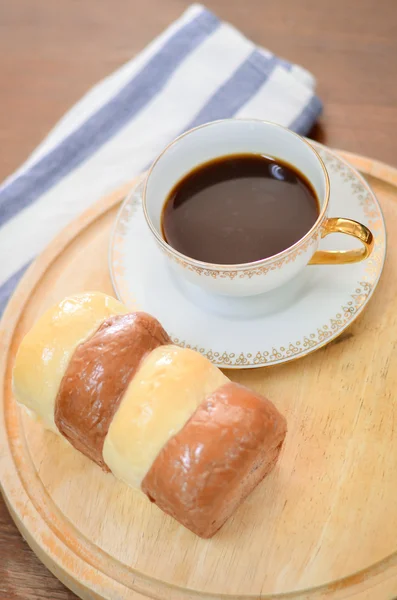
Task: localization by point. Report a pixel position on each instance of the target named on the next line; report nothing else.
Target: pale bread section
(45, 352)
(168, 387)
(204, 472)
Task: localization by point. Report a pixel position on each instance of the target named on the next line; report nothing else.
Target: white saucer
(277, 327)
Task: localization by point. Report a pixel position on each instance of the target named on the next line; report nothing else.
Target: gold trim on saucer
(363, 289)
(294, 349)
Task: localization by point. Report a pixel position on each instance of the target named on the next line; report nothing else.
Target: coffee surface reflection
(239, 209)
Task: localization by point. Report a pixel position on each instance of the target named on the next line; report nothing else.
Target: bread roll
(162, 418)
(45, 352)
(171, 383)
(98, 375)
(204, 472)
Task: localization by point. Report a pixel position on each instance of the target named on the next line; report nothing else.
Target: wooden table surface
(52, 52)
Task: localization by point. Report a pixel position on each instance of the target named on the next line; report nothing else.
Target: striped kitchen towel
(200, 69)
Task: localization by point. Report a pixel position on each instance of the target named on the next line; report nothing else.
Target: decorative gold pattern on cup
(251, 271)
(315, 339)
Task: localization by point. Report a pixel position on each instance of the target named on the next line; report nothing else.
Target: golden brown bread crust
(98, 375)
(203, 473)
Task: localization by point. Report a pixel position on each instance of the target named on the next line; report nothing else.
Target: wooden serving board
(322, 525)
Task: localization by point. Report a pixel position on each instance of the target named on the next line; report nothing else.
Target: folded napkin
(198, 70)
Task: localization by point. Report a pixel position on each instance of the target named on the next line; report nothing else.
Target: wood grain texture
(51, 53)
(346, 455)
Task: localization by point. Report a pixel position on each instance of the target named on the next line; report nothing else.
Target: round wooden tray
(322, 525)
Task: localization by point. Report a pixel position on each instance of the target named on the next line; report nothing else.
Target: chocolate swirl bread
(161, 418)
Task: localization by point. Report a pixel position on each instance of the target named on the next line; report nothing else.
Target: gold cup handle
(341, 257)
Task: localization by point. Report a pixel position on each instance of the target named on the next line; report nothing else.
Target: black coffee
(239, 209)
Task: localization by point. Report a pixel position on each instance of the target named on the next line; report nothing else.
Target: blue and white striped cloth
(198, 70)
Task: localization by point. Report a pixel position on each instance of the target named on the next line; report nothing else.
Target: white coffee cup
(242, 136)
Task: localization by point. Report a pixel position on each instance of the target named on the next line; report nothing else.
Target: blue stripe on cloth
(308, 116)
(108, 120)
(238, 89)
(284, 63)
(9, 286)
